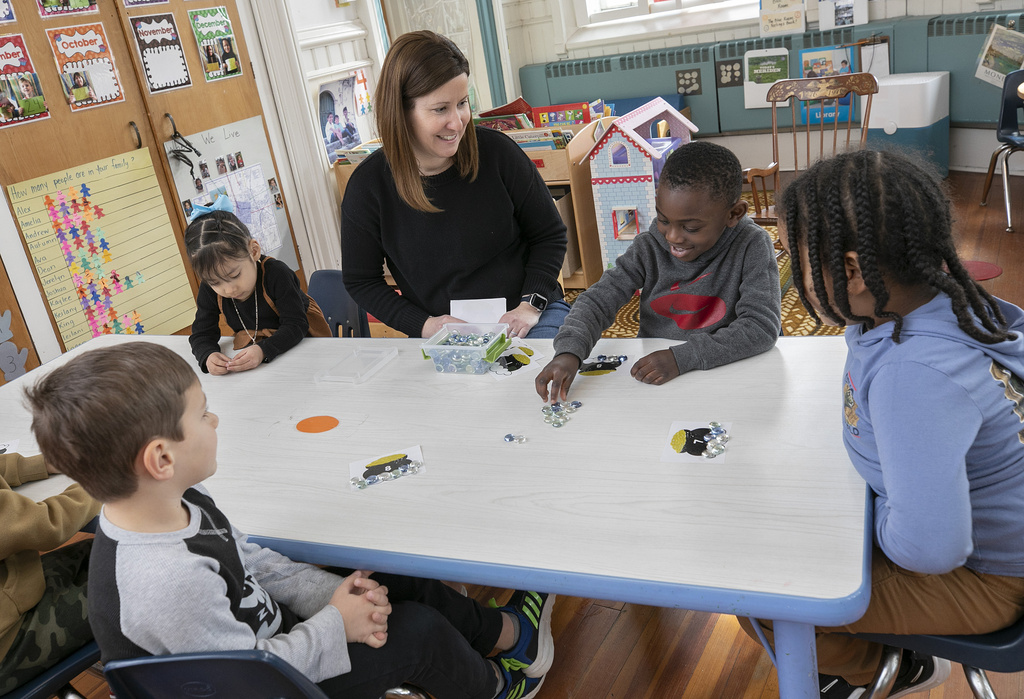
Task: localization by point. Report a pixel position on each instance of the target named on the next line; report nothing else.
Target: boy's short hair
(707, 166)
(96, 413)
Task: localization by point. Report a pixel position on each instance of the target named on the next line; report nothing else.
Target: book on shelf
(516, 106)
(354, 156)
(508, 122)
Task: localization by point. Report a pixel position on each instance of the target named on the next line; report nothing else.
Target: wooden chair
(813, 92)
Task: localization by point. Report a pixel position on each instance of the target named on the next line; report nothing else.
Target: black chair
(344, 317)
(53, 681)
(1000, 651)
(1009, 137)
(253, 674)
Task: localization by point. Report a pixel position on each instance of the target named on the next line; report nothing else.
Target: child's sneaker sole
(545, 643)
(940, 675)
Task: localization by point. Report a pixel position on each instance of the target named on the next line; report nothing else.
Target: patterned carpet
(795, 320)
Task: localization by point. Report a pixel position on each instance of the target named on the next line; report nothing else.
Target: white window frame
(650, 19)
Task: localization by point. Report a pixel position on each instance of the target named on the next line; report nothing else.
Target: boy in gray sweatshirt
(706, 273)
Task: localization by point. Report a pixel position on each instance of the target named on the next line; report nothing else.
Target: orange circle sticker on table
(317, 423)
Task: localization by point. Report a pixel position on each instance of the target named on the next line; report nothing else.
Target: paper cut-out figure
(136, 318)
(60, 196)
(48, 200)
(5, 326)
(12, 361)
(128, 283)
(92, 249)
(85, 190)
(107, 257)
(692, 442)
(117, 326)
(103, 244)
(97, 212)
(114, 276)
(139, 329)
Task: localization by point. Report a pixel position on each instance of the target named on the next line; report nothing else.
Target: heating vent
(970, 25)
(735, 49)
(659, 59)
(567, 69)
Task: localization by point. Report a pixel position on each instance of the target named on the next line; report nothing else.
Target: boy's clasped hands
(364, 607)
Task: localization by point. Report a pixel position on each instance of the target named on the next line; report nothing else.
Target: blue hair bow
(222, 204)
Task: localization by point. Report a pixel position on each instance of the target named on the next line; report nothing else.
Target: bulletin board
(235, 159)
(104, 250)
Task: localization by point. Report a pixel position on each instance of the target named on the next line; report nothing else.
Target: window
(625, 223)
(590, 12)
(620, 156)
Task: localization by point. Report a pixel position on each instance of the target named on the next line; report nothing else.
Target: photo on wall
(337, 110)
(21, 96)
(822, 62)
(215, 38)
(84, 49)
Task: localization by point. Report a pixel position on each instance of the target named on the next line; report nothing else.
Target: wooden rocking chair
(814, 92)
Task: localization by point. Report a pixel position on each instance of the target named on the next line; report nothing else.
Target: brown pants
(903, 602)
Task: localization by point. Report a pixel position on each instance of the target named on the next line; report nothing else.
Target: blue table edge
(793, 608)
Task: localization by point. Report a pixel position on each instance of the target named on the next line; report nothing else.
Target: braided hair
(893, 212)
(212, 239)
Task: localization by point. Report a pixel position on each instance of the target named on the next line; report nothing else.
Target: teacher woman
(457, 212)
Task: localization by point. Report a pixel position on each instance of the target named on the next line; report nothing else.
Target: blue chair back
(254, 674)
(344, 317)
(999, 651)
(50, 682)
(1008, 130)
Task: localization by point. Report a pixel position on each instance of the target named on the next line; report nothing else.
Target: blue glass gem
(510, 437)
(602, 358)
(371, 479)
(576, 404)
(623, 358)
(714, 424)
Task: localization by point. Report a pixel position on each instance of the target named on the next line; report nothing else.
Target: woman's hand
(434, 324)
(521, 319)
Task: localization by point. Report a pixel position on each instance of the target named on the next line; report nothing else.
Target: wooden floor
(610, 650)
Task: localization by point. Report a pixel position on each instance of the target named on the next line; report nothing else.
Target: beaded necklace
(256, 329)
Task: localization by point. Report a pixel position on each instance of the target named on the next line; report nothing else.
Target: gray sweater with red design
(725, 305)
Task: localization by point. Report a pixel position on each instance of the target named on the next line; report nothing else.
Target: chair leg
(991, 172)
(978, 681)
(1006, 189)
(885, 675)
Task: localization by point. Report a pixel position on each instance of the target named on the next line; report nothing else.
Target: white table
(777, 529)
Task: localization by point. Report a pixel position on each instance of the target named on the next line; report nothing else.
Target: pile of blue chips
(716, 441)
(557, 414)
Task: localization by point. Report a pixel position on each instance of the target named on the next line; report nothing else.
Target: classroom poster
(104, 250)
(235, 160)
(6, 11)
(762, 68)
(1002, 53)
(138, 3)
(21, 96)
(83, 55)
(63, 8)
(781, 17)
(163, 57)
(827, 60)
(216, 41)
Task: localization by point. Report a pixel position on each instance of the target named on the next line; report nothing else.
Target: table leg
(797, 660)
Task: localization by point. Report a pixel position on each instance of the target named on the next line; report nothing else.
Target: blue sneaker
(518, 685)
(535, 650)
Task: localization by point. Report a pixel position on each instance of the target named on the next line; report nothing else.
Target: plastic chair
(810, 90)
(57, 677)
(1000, 651)
(344, 316)
(1009, 137)
(239, 673)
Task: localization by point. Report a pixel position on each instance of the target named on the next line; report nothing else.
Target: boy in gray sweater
(706, 274)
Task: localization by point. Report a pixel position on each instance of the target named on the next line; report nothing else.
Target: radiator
(916, 44)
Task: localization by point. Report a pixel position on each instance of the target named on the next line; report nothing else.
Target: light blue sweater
(935, 425)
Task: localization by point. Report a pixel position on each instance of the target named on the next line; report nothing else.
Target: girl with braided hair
(933, 408)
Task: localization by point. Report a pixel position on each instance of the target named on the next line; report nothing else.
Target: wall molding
(306, 160)
(337, 33)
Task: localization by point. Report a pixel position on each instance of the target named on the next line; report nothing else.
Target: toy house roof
(638, 122)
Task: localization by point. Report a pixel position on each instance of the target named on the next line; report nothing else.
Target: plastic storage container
(911, 111)
(466, 348)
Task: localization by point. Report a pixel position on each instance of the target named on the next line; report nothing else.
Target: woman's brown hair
(417, 64)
